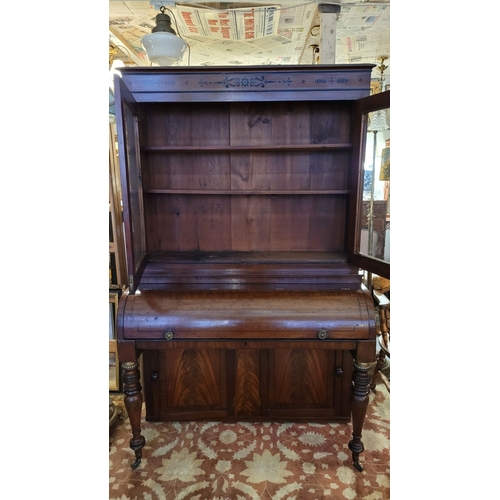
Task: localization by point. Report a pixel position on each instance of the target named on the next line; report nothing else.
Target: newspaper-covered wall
(256, 34)
(363, 33)
(262, 34)
(230, 24)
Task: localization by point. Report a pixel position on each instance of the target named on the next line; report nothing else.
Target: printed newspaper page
(262, 34)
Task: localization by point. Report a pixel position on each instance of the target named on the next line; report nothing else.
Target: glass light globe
(164, 48)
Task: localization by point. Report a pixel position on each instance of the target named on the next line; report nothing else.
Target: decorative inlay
(331, 80)
(231, 82)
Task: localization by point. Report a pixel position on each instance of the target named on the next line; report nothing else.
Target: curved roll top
(230, 314)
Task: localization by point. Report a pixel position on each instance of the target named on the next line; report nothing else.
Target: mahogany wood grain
(230, 84)
(183, 382)
(152, 368)
(359, 405)
(348, 345)
(261, 382)
(194, 377)
(247, 382)
(300, 376)
(256, 148)
(239, 315)
(133, 403)
(244, 302)
(243, 268)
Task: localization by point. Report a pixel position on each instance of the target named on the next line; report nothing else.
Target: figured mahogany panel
(247, 384)
(196, 378)
(312, 383)
(233, 382)
(187, 383)
(299, 377)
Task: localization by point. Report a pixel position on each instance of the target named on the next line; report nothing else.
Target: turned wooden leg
(133, 402)
(359, 405)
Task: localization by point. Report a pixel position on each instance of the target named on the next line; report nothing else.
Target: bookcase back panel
(187, 124)
(187, 171)
(290, 123)
(289, 170)
(246, 170)
(200, 159)
(178, 222)
(245, 124)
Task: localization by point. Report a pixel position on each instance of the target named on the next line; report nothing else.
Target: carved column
(359, 405)
(133, 402)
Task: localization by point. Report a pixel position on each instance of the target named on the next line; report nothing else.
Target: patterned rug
(243, 461)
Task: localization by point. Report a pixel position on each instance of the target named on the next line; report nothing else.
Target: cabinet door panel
(300, 377)
(190, 383)
(308, 382)
(194, 376)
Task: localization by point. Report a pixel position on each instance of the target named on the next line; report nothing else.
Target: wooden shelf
(243, 149)
(248, 192)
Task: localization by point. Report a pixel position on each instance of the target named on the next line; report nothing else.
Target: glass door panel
(370, 243)
(374, 229)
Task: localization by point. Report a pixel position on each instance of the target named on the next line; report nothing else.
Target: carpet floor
(243, 461)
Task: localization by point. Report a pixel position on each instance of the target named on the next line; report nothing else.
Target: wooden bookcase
(240, 189)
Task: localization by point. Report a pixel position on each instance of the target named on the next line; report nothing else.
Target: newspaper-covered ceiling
(239, 33)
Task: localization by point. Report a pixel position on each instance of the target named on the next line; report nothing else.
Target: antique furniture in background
(378, 212)
(383, 334)
(241, 189)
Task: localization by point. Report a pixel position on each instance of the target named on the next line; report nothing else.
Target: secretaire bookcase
(241, 192)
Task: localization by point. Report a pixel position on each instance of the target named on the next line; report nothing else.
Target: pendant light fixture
(163, 46)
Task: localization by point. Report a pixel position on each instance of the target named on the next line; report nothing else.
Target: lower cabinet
(241, 383)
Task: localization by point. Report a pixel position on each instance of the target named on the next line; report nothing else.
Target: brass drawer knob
(322, 334)
(169, 335)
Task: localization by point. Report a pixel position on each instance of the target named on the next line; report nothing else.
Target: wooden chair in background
(383, 332)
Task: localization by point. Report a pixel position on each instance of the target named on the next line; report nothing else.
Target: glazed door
(369, 238)
(131, 175)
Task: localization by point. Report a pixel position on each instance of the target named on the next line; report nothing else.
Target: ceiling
(286, 34)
